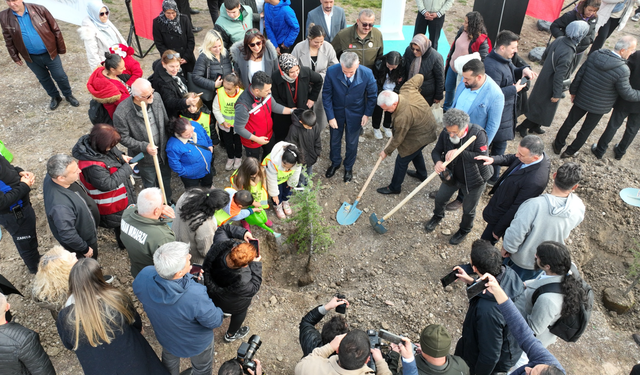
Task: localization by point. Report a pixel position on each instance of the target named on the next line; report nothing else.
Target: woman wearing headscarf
(421, 58)
(294, 86)
(548, 90)
(172, 30)
(98, 33)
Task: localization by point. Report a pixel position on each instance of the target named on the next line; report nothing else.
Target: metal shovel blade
(348, 214)
(631, 196)
(377, 224)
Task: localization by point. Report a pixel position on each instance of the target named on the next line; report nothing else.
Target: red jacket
(109, 92)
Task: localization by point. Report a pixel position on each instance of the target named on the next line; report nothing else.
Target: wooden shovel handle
(143, 106)
(375, 167)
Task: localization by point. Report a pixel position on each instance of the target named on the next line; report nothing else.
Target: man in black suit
(526, 177)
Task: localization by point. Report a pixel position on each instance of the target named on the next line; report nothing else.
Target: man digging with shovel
(414, 127)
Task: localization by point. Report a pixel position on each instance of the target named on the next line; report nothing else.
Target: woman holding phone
(213, 64)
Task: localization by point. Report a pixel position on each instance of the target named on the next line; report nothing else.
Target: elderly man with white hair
(414, 127)
(144, 228)
(129, 121)
(182, 314)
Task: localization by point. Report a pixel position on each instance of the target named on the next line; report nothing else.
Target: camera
(341, 309)
(374, 341)
(246, 351)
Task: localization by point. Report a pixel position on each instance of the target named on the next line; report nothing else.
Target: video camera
(247, 351)
(375, 338)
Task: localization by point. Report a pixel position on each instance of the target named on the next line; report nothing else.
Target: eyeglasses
(171, 56)
(104, 13)
(148, 96)
(252, 31)
(258, 43)
(366, 25)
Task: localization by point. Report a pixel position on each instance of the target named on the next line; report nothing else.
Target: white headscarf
(93, 11)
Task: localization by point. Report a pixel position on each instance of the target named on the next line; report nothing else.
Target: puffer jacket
(559, 26)
(187, 159)
(108, 92)
(101, 178)
(475, 172)
(281, 23)
(481, 44)
(94, 41)
(307, 140)
(206, 70)
(232, 30)
(21, 352)
(432, 70)
(600, 81)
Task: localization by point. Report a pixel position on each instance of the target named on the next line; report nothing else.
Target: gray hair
(624, 43)
(148, 200)
(57, 165)
(387, 98)
(455, 117)
(367, 13)
(139, 86)
(170, 259)
(533, 143)
(347, 59)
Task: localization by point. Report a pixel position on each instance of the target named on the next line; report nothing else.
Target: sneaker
(286, 208)
(229, 165)
(280, 212)
(388, 133)
(377, 133)
(226, 315)
(636, 17)
(269, 223)
(237, 163)
(242, 332)
(108, 278)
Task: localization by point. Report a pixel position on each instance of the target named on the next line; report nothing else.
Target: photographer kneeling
(310, 337)
(233, 367)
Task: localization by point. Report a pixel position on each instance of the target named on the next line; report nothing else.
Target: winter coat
(486, 109)
(599, 82)
(634, 79)
(21, 352)
(546, 311)
(322, 362)
(69, 217)
(347, 104)
(380, 71)
(544, 218)
(206, 70)
(230, 289)
(606, 8)
(432, 70)
(505, 74)
(95, 42)
(44, 24)
(368, 49)
(307, 140)
(188, 160)
(310, 338)
(274, 165)
(101, 178)
(199, 240)
(558, 58)
(108, 92)
(142, 237)
(241, 66)
(232, 30)
(128, 120)
(182, 43)
(513, 188)
(486, 344)
(453, 366)
(133, 353)
(558, 27)
(182, 315)
(316, 17)
(281, 24)
(255, 13)
(168, 88)
(481, 44)
(413, 123)
(10, 175)
(475, 173)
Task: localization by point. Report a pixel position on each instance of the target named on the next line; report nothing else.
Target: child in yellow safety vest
(282, 167)
(239, 207)
(251, 176)
(202, 115)
(224, 112)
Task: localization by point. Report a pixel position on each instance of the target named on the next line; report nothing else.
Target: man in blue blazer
(331, 18)
(349, 97)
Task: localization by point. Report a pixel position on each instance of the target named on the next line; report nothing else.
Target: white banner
(71, 11)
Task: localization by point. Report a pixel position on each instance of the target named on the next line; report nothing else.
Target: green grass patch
(362, 4)
(463, 2)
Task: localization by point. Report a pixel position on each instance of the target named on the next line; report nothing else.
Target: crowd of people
(265, 94)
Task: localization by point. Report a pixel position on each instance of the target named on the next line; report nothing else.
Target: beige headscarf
(424, 44)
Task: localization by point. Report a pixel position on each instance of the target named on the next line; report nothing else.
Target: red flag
(144, 11)
(548, 10)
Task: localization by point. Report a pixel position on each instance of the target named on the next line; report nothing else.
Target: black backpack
(98, 114)
(572, 327)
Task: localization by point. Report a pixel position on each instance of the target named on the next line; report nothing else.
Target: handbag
(207, 95)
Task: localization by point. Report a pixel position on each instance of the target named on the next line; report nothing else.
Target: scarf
(577, 30)
(93, 11)
(424, 44)
(286, 62)
(181, 86)
(172, 25)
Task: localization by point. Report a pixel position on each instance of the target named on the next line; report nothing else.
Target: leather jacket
(45, 25)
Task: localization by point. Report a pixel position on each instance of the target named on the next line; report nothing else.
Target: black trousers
(236, 322)
(214, 9)
(616, 120)
(604, 33)
(231, 143)
(255, 152)
(23, 232)
(377, 118)
(434, 26)
(575, 114)
(184, 8)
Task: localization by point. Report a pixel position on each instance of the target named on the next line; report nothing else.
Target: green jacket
(233, 30)
(142, 237)
(368, 49)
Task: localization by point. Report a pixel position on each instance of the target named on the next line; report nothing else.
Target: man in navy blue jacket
(349, 96)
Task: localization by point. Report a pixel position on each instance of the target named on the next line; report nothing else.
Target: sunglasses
(148, 96)
(171, 56)
(366, 25)
(258, 43)
(104, 13)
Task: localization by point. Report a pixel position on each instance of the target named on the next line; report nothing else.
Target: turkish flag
(548, 10)
(144, 11)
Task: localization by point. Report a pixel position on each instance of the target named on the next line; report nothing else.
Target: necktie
(348, 82)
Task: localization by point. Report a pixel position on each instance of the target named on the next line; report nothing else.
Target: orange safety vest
(109, 202)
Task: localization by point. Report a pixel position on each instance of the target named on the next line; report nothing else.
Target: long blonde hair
(211, 37)
(99, 309)
(51, 283)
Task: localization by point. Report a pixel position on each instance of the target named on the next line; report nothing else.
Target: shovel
(377, 223)
(631, 196)
(143, 106)
(348, 214)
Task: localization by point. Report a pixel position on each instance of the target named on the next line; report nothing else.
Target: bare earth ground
(391, 279)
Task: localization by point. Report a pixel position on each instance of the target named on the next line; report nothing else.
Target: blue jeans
(449, 88)
(523, 273)
(303, 179)
(497, 148)
(400, 170)
(148, 176)
(284, 191)
(201, 364)
(352, 132)
(44, 68)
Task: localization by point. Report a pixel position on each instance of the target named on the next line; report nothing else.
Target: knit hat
(435, 341)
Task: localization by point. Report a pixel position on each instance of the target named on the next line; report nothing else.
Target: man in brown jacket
(414, 127)
(30, 31)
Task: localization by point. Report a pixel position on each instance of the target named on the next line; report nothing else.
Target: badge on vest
(370, 44)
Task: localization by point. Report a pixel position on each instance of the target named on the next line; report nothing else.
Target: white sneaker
(377, 133)
(286, 208)
(636, 17)
(229, 165)
(388, 133)
(237, 163)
